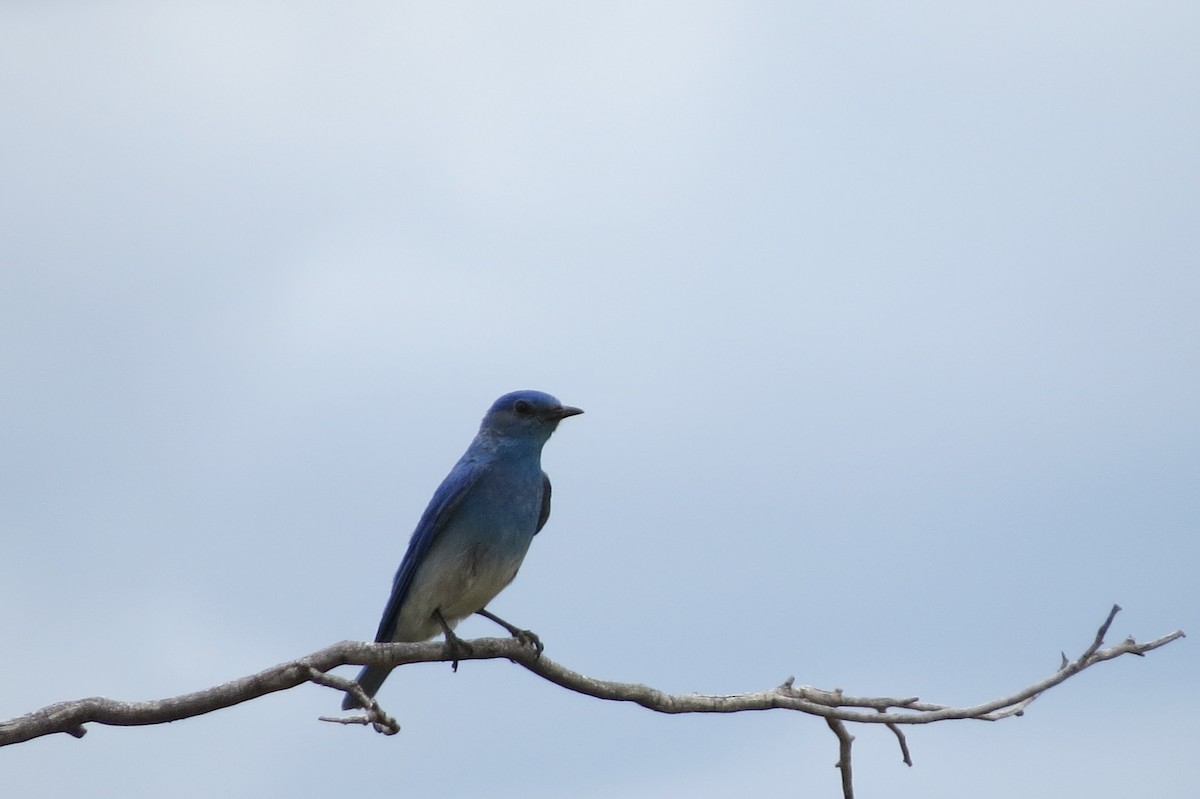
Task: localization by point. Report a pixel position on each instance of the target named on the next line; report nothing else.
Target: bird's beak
(565, 411)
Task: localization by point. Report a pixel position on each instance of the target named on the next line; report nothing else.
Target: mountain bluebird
(473, 536)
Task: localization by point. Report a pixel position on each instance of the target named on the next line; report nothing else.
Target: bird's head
(533, 414)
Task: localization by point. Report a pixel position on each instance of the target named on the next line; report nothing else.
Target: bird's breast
(483, 545)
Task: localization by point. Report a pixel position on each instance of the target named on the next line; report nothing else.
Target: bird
(473, 536)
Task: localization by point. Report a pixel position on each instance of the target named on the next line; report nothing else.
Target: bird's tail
(370, 678)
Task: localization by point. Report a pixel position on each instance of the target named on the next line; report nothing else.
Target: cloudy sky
(884, 316)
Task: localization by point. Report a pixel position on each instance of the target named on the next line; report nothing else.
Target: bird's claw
(457, 648)
(529, 638)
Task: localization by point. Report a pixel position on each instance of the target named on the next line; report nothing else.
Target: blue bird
(474, 535)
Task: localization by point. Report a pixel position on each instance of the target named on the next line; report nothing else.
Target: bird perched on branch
(473, 536)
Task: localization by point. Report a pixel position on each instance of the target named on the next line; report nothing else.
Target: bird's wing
(445, 501)
(545, 512)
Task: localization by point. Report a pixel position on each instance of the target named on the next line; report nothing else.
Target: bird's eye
(521, 406)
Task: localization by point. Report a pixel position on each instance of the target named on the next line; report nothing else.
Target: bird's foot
(456, 648)
(527, 637)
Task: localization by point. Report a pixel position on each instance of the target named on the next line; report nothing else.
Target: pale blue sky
(885, 318)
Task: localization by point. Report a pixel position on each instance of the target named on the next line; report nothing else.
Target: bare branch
(834, 706)
(845, 739)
